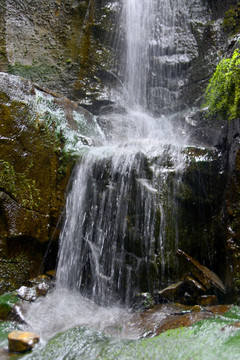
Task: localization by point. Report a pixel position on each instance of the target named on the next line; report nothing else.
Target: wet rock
(17, 314)
(7, 302)
(205, 276)
(38, 280)
(171, 292)
(185, 291)
(51, 273)
(196, 308)
(35, 166)
(21, 341)
(143, 301)
(27, 294)
(42, 289)
(231, 327)
(62, 45)
(207, 300)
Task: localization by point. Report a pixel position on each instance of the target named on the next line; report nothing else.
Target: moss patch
(222, 96)
(208, 339)
(35, 72)
(231, 22)
(7, 301)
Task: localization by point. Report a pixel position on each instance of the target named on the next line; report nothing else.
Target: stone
(207, 300)
(18, 314)
(196, 308)
(38, 280)
(27, 294)
(185, 291)
(171, 292)
(205, 276)
(21, 341)
(7, 302)
(143, 301)
(59, 46)
(51, 273)
(42, 289)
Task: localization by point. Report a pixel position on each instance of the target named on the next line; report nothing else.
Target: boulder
(205, 276)
(21, 341)
(27, 294)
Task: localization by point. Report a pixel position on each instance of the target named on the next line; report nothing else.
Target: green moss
(34, 72)
(14, 272)
(18, 185)
(208, 339)
(222, 96)
(7, 301)
(231, 22)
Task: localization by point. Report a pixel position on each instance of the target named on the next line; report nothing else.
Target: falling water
(120, 228)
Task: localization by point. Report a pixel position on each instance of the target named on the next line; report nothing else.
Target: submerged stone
(21, 341)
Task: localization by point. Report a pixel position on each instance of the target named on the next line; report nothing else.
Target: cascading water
(120, 227)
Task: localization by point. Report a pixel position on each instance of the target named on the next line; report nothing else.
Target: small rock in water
(144, 301)
(26, 293)
(42, 289)
(38, 280)
(196, 308)
(21, 341)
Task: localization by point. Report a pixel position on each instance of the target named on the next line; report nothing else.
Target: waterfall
(159, 47)
(121, 214)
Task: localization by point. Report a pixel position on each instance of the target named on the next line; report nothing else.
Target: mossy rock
(231, 22)
(7, 301)
(36, 160)
(208, 339)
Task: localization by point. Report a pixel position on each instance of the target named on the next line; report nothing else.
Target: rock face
(66, 45)
(59, 44)
(38, 130)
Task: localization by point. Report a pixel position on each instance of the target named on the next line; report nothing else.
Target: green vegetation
(19, 185)
(222, 96)
(214, 338)
(7, 301)
(231, 22)
(35, 72)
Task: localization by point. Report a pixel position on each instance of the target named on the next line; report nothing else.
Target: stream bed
(73, 327)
